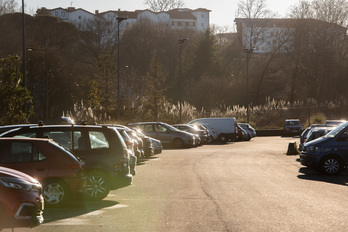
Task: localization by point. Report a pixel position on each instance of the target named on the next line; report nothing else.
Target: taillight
(302, 139)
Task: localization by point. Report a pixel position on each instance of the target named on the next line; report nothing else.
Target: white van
(225, 129)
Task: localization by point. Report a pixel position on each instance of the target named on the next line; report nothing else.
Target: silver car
(167, 134)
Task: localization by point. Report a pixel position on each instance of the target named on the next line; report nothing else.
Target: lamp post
(46, 79)
(119, 21)
(248, 52)
(23, 46)
(181, 41)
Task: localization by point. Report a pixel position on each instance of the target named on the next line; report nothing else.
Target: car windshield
(335, 131)
(293, 123)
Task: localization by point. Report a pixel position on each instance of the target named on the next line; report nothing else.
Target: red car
(59, 171)
(21, 201)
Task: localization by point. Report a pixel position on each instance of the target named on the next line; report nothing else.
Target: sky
(222, 11)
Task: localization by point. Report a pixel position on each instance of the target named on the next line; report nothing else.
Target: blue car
(328, 154)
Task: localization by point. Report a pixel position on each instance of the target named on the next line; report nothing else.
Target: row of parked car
(324, 147)
(83, 161)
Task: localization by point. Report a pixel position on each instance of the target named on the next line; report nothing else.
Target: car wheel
(248, 138)
(178, 143)
(97, 187)
(331, 165)
(55, 192)
(222, 138)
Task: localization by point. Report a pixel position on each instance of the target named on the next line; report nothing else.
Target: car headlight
(313, 149)
(15, 183)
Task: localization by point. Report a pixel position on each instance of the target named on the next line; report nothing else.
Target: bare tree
(7, 6)
(164, 5)
(332, 11)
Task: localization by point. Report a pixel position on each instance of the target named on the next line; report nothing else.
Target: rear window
(98, 140)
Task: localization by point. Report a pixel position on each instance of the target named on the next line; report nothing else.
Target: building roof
(124, 14)
(181, 14)
(69, 9)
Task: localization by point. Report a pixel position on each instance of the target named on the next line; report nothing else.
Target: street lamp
(180, 41)
(248, 52)
(46, 79)
(23, 45)
(119, 21)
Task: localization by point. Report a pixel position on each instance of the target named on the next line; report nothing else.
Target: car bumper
(29, 212)
(307, 159)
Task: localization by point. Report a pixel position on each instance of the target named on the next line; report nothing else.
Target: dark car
(327, 154)
(167, 134)
(58, 170)
(21, 201)
(132, 147)
(193, 130)
(292, 127)
(101, 147)
(243, 135)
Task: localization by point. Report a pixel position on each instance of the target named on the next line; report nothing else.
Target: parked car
(101, 147)
(147, 143)
(132, 147)
(193, 130)
(147, 148)
(167, 134)
(60, 172)
(10, 127)
(320, 129)
(246, 126)
(305, 132)
(292, 127)
(21, 200)
(327, 154)
(224, 128)
(333, 122)
(211, 134)
(157, 146)
(243, 135)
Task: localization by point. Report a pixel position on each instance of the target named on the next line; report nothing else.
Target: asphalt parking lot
(239, 186)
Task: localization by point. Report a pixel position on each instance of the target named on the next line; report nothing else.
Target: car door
(163, 134)
(341, 145)
(24, 156)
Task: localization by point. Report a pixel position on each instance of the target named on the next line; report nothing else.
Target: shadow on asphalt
(310, 174)
(75, 208)
(69, 210)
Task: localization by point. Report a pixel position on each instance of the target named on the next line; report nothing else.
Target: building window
(56, 13)
(202, 15)
(63, 14)
(173, 23)
(79, 16)
(194, 24)
(179, 24)
(187, 24)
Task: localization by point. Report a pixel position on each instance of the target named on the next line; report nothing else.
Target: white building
(197, 20)
(266, 35)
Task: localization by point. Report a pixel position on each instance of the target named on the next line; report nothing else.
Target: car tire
(178, 143)
(97, 186)
(222, 138)
(248, 139)
(55, 192)
(331, 165)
